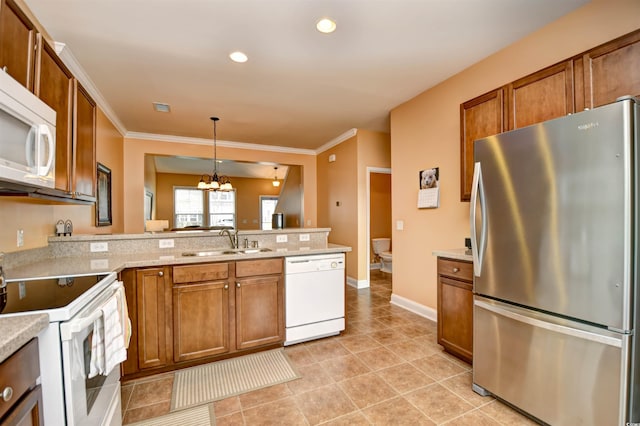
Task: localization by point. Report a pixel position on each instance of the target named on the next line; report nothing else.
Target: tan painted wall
(345, 181)
(248, 192)
(379, 207)
(134, 154)
(38, 218)
(425, 133)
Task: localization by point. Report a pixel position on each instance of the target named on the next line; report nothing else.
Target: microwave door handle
(30, 148)
(45, 133)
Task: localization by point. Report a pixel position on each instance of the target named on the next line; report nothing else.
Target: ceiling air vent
(160, 107)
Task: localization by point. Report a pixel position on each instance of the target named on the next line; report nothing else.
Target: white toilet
(381, 248)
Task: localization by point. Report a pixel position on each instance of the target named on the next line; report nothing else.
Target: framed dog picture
(429, 188)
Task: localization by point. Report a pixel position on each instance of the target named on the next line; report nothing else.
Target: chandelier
(276, 182)
(213, 182)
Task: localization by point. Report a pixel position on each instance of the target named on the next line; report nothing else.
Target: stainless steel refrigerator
(554, 224)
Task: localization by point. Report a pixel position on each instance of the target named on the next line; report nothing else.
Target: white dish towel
(107, 345)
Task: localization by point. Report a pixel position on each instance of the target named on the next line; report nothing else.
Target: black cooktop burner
(42, 294)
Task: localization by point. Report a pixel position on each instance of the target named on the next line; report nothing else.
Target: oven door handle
(76, 325)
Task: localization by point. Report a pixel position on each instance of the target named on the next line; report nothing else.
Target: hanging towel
(114, 350)
(96, 364)
(124, 316)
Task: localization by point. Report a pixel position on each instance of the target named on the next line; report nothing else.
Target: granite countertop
(18, 330)
(103, 264)
(457, 253)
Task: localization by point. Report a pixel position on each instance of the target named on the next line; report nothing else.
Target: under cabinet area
(455, 307)
(183, 315)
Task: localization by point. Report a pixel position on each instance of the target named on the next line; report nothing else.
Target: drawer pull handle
(226, 286)
(7, 393)
(161, 274)
(238, 285)
(456, 270)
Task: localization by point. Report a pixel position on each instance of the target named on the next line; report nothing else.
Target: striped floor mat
(197, 416)
(222, 379)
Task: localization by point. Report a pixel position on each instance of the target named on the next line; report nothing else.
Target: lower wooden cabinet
(22, 398)
(455, 307)
(259, 303)
(185, 314)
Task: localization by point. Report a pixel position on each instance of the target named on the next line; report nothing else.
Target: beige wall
(248, 192)
(425, 132)
(38, 218)
(345, 181)
(134, 174)
(379, 207)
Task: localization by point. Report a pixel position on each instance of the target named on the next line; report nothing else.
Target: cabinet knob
(161, 274)
(5, 69)
(238, 285)
(226, 286)
(7, 393)
(456, 270)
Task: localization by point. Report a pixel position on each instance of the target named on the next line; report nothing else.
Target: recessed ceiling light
(161, 107)
(238, 57)
(326, 25)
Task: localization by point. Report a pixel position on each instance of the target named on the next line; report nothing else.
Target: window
(197, 208)
(267, 208)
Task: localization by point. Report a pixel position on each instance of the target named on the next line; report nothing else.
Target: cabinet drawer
(19, 372)
(202, 272)
(249, 268)
(457, 269)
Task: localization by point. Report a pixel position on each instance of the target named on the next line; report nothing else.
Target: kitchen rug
(222, 379)
(197, 416)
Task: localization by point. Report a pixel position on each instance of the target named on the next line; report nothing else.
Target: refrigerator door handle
(477, 190)
(569, 331)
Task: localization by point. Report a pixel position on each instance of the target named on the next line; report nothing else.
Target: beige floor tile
(299, 355)
(261, 396)
(325, 403)
(359, 343)
(472, 418)
(388, 336)
(461, 386)
(438, 403)
(125, 395)
(344, 367)
(404, 377)
(133, 415)
(409, 350)
(151, 392)
(367, 390)
(235, 419)
(379, 358)
(227, 406)
(283, 412)
(313, 377)
(438, 367)
(353, 419)
(324, 349)
(505, 415)
(397, 411)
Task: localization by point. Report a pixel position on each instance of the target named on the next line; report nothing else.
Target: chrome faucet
(233, 237)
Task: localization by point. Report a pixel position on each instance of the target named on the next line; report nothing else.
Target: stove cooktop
(45, 294)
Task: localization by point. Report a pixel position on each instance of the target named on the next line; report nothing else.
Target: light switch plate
(166, 243)
(400, 225)
(304, 237)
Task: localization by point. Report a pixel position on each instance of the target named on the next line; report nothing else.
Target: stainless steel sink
(225, 252)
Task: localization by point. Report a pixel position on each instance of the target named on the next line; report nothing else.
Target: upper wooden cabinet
(84, 145)
(588, 80)
(479, 118)
(17, 44)
(542, 96)
(55, 87)
(612, 70)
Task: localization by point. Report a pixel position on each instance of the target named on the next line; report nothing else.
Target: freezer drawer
(561, 374)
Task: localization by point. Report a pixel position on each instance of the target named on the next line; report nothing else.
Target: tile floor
(386, 369)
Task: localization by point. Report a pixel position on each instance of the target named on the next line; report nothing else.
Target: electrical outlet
(20, 237)
(400, 225)
(304, 237)
(99, 264)
(98, 247)
(281, 238)
(165, 243)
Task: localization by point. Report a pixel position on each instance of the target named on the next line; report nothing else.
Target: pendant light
(276, 182)
(214, 182)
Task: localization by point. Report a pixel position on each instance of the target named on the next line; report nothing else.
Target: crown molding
(337, 140)
(223, 143)
(80, 74)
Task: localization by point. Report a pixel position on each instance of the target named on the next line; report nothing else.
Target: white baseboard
(374, 266)
(357, 283)
(416, 308)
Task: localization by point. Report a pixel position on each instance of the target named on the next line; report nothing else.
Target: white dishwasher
(314, 296)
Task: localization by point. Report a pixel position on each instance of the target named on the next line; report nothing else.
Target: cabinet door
(200, 320)
(455, 317)
(130, 365)
(259, 311)
(541, 96)
(479, 118)
(612, 70)
(28, 412)
(84, 146)
(153, 298)
(17, 43)
(55, 88)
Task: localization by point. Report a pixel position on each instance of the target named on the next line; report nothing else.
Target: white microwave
(27, 136)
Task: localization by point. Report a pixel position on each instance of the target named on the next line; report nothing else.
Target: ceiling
(200, 166)
(300, 88)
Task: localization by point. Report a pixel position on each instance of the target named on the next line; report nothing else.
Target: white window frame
(266, 225)
(206, 214)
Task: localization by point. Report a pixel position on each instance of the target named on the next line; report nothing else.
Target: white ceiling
(200, 166)
(300, 88)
